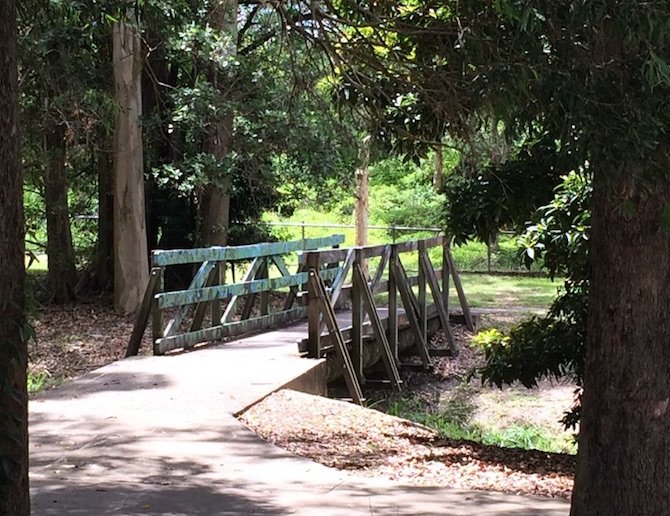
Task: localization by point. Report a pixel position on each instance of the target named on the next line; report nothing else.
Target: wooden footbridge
(386, 315)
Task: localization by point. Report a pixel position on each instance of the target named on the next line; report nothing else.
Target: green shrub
(551, 346)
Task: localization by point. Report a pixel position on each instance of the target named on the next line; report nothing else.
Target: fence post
(357, 319)
(313, 309)
(423, 312)
(446, 272)
(156, 313)
(393, 304)
(265, 295)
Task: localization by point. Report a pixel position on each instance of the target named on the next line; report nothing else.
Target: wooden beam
(230, 310)
(381, 267)
(313, 310)
(199, 280)
(409, 301)
(185, 297)
(144, 313)
(322, 257)
(201, 308)
(156, 312)
(377, 328)
(406, 247)
(190, 339)
(392, 331)
(357, 319)
(439, 303)
(461, 294)
(242, 252)
(319, 289)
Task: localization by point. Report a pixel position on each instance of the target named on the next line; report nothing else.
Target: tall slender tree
(14, 493)
(131, 268)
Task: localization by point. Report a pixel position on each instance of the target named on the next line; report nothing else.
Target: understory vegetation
(453, 421)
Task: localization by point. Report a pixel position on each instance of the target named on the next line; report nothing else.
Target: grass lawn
(494, 291)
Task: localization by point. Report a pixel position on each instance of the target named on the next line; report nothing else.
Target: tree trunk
(14, 493)
(215, 198)
(104, 266)
(623, 466)
(363, 192)
(438, 174)
(131, 268)
(62, 274)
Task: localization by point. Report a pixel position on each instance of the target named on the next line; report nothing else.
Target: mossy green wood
(186, 297)
(242, 252)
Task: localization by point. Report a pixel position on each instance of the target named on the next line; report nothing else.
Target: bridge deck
(157, 435)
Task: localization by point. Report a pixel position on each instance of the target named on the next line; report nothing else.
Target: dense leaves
(553, 345)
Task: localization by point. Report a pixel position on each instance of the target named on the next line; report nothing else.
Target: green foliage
(473, 256)
(454, 422)
(551, 346)
(560, 236)
(402, 194)
(503, 196)
(37, 381)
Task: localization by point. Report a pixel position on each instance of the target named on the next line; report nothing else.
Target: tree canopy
(593, 79)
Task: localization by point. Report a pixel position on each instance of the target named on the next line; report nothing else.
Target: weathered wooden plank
(144, 313)
(190, 339)
(338, 282)
(313, 310)
(186, 297)
(216, 277)
(219, 279)
(381, 267)
(156, 312)
(357, 319)
(406, 247)
(439, 303)
(445, 274)
(433, 323)
(337, 255)
(461, 293)
(377, 328)
(293, 290)
(249, 275)
(198, 281)
(423, 317)
(264, 273)
(242, 252)
(319, 289)
(372, 251)
(392, 332)
(323, 257)
(409, 301)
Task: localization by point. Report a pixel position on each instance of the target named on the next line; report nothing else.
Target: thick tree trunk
(362, 208)
(14, 493)
(623, 466)
(131, 268)
(62, 274)
(215, 198)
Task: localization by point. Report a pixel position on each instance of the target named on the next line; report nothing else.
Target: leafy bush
(402, 194)
(478, 207)
(551, 346)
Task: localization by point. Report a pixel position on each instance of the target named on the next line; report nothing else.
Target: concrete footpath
(158, 436)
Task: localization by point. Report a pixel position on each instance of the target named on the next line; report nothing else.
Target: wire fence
(394, 230)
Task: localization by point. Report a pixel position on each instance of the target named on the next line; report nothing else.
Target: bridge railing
(390, 277)
(186, 317)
